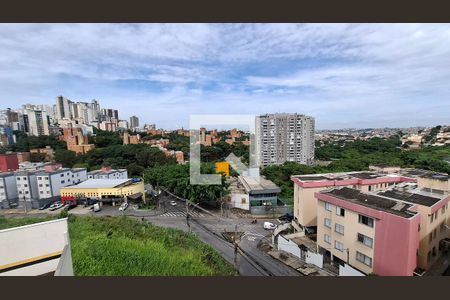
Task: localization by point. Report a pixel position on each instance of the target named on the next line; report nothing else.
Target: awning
(135, 196)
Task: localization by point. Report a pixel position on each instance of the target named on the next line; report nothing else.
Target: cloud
(349, 75)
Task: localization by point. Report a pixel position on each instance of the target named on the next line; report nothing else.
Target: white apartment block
(8, 189)
(35, 120)
(50, 183)
(283, 137)
(108, 173)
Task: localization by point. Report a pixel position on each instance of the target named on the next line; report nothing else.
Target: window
(328, 206)
(327, 239)
(430, 237)
(327, 223)
(435, 215)
(62, 181)
(41, 192)
(434, 251)
(365, 240)
(432, 218)
(339, 229)
(366, 220)
(243, 201)
(370, 188)
(340, 211)
(364, 259)
(40, 185)
(39, 178)
(25, 185)
(338, 246)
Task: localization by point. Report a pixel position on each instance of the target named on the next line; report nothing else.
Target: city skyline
(345, 76)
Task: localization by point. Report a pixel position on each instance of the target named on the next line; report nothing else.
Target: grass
(121, 246)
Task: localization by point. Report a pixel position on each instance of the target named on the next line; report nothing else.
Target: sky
(344, 75)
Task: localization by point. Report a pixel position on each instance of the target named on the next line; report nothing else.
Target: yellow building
(223, 167)
(104, 190)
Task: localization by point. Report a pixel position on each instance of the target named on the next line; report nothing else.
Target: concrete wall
(33, 243)
(314, 259)
(266, 210)
(288, 246)
(237, 201)
(346, 270)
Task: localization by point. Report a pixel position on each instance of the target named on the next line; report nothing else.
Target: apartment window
(328, 206)
(338, 246)
(25, 185)
(365, 220)
(41, 192)
(62, 181)
(18, 178)
(340, 211)
(327, 239)
(47, 184)
(26, 192)
(364, 259)
(243, 201)
(46, 178)
(365, 240)
(370, 188)
(327, 223)
(40, 185)
(39, 178)
(434, 251)
(432, 218)
(443, 210)
(436, 215)
(430, 237)
(339, 228)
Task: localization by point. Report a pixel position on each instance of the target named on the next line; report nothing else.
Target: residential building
(105, 190)
(50, 181)
(371, 233)
(434, 217)
(8, 162)
(27, 187)
(123, 124)
(23, 157)
(63, 108)
(108, 173)
(134, 122)
(8, 189)
(284, 137)
(6, 136)
(76, 141)
(107, 126)
(46, 152)
(131, 139)
(36, 120)
(306, 186)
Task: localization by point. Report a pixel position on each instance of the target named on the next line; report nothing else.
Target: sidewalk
(440, 266)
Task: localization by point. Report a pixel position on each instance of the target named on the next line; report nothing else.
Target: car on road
(55, 206)
(45, 206)
(286, 217)
(269, 226)
(123, 207)
(70, 206)
(173, 203)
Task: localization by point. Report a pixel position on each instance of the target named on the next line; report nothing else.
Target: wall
(314, 259)
(33, 242)
(346, 270)
(288, 246)
(236, 201)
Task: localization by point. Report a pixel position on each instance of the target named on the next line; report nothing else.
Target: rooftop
(410, 172)
(253, 186)
(372, 201)
(101, 183)
(341, 176)
(416, 196)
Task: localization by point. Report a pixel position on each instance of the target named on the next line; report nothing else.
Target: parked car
(269, 226)
(286, 217)
(96, 207)
(70, 206)
(123, 207)
(45, 206)
(55, 206)
(173, 203)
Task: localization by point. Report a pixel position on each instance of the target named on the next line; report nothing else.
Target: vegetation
(175, 178)
(120, 246)
(24, 143)
(15, 222)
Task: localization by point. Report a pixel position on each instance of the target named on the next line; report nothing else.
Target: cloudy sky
(345, 75)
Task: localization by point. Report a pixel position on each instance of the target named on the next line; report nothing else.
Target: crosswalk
(181, 214)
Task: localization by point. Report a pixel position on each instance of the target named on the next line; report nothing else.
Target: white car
(173, 203)
(123, 207)
(269, 226)
(55, 206)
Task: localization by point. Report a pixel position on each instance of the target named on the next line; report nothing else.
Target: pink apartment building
(372, 233)
(306, 186)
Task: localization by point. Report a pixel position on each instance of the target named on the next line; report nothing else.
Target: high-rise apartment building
(35, 119)
(134, 122)
(283, 137)
(63, 108)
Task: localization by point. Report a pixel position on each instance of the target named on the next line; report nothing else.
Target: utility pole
(24, 204)
(348, 255)
(187, 216)
(235, 243)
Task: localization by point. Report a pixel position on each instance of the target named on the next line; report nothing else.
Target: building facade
(284, 137)
(8, 162)
(108, 173)
(373, 234)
